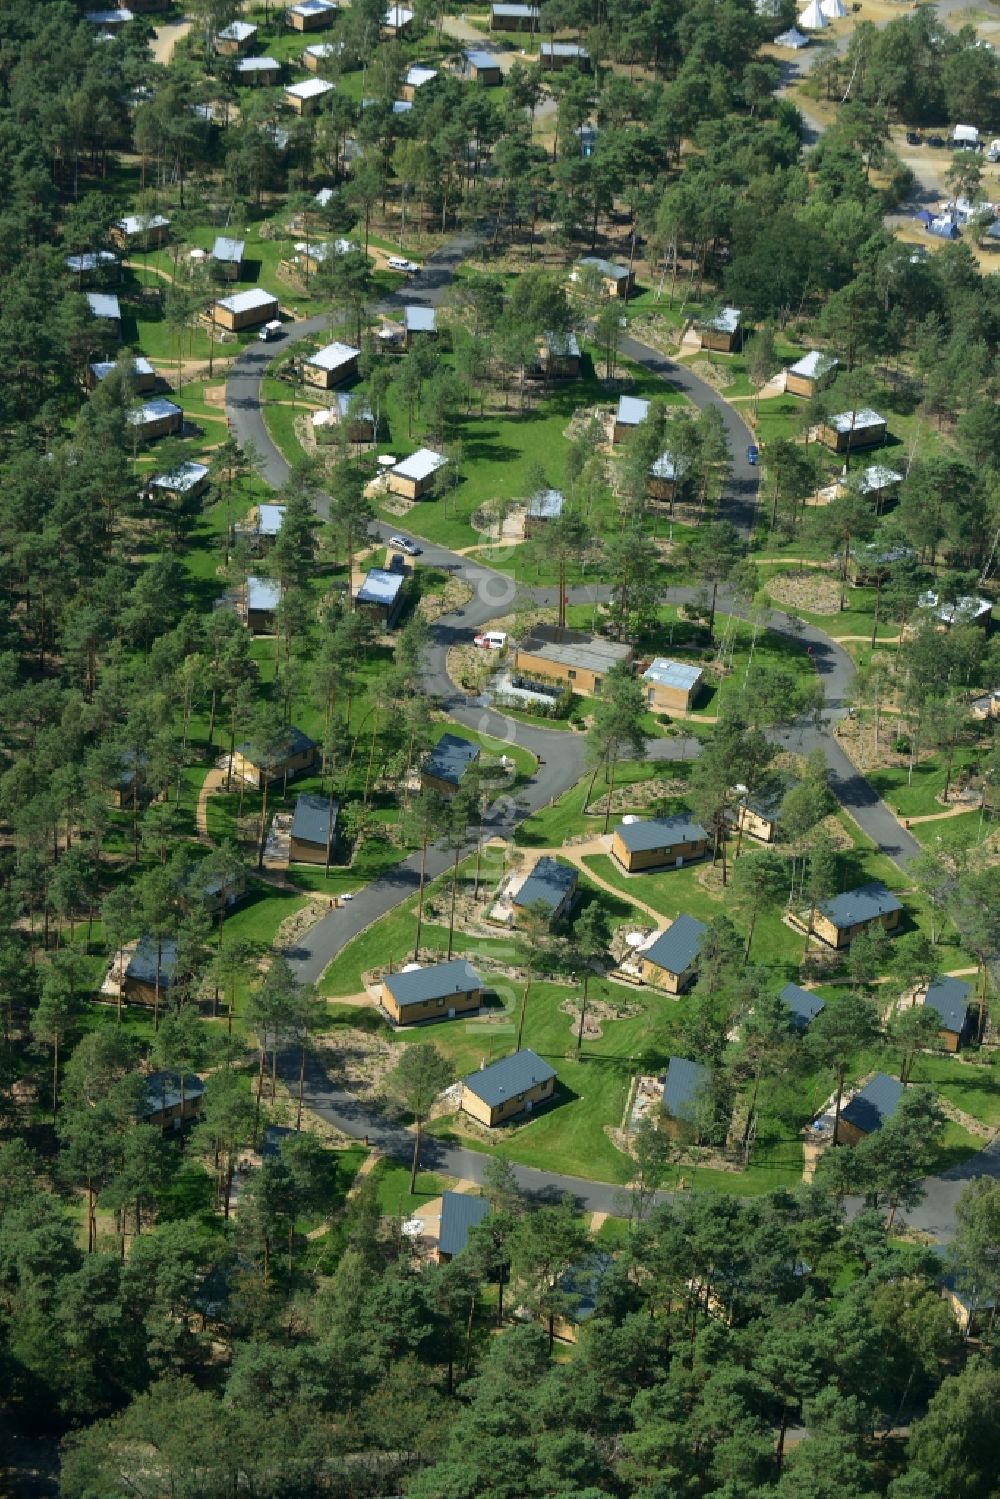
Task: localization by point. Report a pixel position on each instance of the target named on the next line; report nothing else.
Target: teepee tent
(812, 18)
(834, 10)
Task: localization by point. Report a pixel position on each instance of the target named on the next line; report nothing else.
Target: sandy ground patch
(805, 590)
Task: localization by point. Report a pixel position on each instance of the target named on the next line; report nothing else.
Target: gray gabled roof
(450, 758)
(142, 964)
(162, 1090)
(507, 1078)
(549, 882)
(297, 744)
(660, 832)
(950, 997)
(314, 820)
(677, 948)
(802, 1006)
(877, 1101)
(440, 981)
(273, 1136)
(683, 1082)
(459, 1213)
(863, 904)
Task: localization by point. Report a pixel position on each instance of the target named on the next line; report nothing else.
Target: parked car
(913, 137)
(490, 640)
(404, 544)
(270, 331)
(937, 141)
(397, 263)
(753, 454)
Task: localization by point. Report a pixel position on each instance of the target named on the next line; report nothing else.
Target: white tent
(793, 39)
(812, 18)
(834, 10)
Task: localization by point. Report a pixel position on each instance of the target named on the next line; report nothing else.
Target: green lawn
(565, 818)
(394, 1195)
(917, 796)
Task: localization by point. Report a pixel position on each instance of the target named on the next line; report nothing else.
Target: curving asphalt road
(561, 762)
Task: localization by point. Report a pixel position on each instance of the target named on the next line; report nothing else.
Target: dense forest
(236, 1306)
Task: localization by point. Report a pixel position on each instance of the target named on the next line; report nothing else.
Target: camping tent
(812, 18)
(793, 39)
(834, 10)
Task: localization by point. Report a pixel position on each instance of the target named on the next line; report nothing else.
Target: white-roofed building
(258, 70)
(514, 17)
(554, 56)
(396, 21)
(968, 610)
(723, 333)
(144, 376)
(415, 78)
(109, 20)
(331, 365)
(156, 418)
(812, 373)
(812, 18)
(187, 481)
(104, 306)
(306, 97)
(672, 686)
(228, 256)
(631, 411)
(141, 231)
(848, 430)
(245, 309)
(414, 477)
(417, 320)
(664, 476)
(318, 54)
(260, 603)
(234, 38)
(879, 484)
(381, 595)
(86, 266)
(311, 15)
